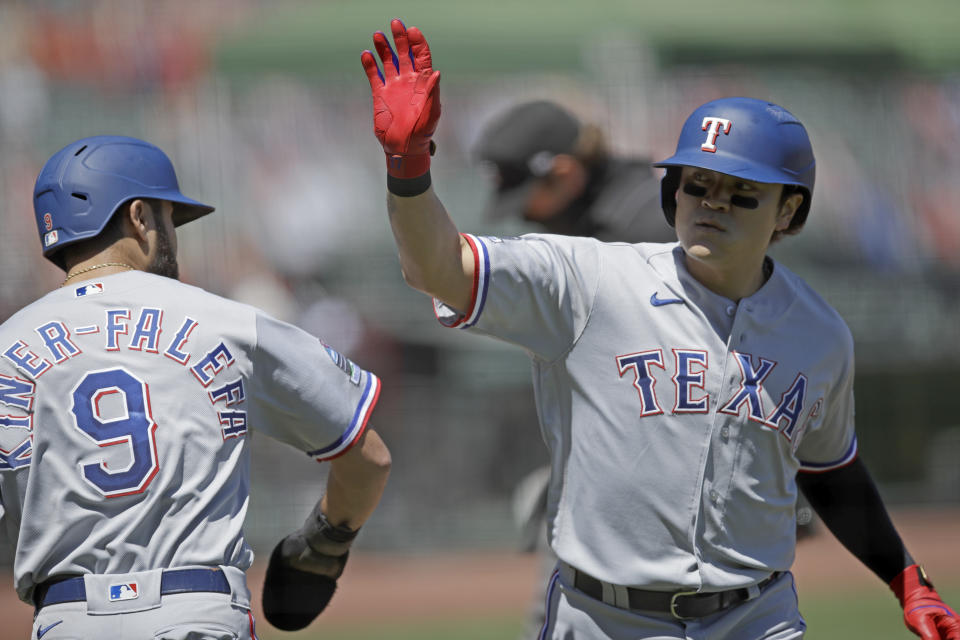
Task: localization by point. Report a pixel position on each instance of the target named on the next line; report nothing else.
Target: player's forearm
(849, 504)
(356, 482)
(432, 254)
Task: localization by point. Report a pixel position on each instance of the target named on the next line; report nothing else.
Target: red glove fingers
(402, 59)
(924, 612)
(406, 99)
(373, 71)
(419, 49)
(387, 56)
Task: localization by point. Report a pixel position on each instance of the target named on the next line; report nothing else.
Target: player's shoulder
(635, 254)
(195, 299)
(659, 256)
(133, 289)
(645, 249)
(578, 253)
(183, 291)
(140, 287)
(539, 244)
(815, 309)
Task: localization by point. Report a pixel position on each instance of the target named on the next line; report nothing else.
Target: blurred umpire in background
(554, 170)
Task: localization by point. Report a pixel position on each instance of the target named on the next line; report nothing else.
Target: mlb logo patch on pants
(123, 591)
(109, 594)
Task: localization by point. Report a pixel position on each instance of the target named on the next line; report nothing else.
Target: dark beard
(165, 264)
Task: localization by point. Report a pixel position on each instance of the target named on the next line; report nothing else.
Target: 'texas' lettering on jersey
(122, 329)
(690, 367)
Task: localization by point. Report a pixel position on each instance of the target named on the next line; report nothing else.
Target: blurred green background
(504, 36)
(264, 108)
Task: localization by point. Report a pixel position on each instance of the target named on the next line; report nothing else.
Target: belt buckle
(674, 604)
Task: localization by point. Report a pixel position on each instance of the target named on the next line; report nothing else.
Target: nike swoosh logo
(659, 302)
(42, 631)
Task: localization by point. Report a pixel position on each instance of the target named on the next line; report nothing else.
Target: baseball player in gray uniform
(127, 404)
(686, 391)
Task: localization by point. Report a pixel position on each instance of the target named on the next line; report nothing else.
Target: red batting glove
(406, 99)
(923, 611)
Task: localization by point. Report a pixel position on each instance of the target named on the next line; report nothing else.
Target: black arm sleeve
(848, 502)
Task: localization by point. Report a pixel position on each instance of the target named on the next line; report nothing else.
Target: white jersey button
(725, 432)
(714, 497)
(731, 310)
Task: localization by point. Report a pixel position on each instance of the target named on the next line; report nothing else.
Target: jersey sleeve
(535, 291)
(307, 394)
(829, 440)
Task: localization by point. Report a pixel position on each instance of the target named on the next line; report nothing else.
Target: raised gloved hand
(923, 611)
(303, 571)
(406, 99)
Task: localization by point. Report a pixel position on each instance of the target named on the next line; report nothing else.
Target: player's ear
(139, 219)
(788, 208)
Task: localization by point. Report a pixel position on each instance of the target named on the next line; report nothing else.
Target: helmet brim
(187, 209)
(732, 165)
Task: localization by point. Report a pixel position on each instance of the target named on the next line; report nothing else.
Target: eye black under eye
(694, 190)
(744, 202)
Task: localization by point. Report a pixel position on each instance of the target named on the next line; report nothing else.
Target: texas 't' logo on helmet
(713, 126)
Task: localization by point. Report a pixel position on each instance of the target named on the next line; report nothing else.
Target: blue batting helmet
(82, 185)
(744, 137)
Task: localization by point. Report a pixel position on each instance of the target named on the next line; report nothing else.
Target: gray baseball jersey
(127, 405)
(676, 419)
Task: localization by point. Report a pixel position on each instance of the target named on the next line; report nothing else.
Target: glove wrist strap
(406, 167)
(323, 537)
(334, 533)
(909, 580)
(323, 528)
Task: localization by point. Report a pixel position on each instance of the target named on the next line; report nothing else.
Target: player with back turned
(686, 391)
(127, 403)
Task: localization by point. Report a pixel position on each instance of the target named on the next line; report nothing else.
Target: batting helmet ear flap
(668, 194)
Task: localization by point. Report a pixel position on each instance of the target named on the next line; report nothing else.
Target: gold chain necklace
(97, 266)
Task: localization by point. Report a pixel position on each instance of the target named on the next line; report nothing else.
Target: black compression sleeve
(849, 504)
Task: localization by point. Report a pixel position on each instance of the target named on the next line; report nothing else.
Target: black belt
(682, 605)
(58, 591)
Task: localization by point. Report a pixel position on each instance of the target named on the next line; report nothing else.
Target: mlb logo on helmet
(50, 238)
(124, 591)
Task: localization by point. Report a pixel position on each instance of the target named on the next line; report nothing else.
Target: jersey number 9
(132, 425)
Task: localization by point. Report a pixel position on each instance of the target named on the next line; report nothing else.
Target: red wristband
(407, 166)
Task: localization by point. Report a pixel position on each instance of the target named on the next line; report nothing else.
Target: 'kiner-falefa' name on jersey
(120, 331)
